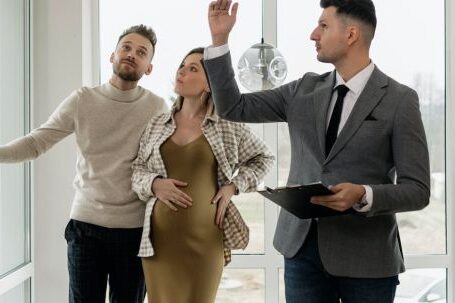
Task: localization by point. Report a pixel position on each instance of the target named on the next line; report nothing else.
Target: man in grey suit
(354, 128)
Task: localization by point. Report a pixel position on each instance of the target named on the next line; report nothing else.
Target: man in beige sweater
(104, 231)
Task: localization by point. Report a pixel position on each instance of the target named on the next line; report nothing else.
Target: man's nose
(313, 35)
(131, 56)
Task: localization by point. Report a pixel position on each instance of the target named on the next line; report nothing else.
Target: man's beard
(127, 76)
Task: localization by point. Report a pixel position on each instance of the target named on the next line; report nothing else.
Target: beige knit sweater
(108, 124)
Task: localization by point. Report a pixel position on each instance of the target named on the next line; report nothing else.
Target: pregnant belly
(200, 217)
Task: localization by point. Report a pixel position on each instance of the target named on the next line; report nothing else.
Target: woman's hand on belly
(168, 192)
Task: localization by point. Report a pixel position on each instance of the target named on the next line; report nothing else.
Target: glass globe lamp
(262, 67)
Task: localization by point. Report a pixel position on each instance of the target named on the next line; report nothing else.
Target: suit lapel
(322, 97)
(368, 99)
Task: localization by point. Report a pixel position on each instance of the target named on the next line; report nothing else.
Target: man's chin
(322, 59)
(133, 77)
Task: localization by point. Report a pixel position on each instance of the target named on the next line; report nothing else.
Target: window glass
(12, 125)
(19, 294)
(241, 285)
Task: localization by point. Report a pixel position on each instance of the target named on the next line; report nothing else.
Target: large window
(409, 50)
(14, 178)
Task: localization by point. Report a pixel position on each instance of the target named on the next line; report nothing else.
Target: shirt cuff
(367, 201)
(212, 52)
(146, 187)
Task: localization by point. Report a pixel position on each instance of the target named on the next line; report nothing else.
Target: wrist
(154, 182)
(233, 187)
(362, 200)
(362, 193)
(219, 40)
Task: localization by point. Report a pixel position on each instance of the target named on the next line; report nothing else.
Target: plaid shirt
(236, 149)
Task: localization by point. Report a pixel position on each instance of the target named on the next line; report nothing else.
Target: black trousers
(97, 255)
(307, 281)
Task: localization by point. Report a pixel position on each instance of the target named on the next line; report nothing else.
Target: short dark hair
(143, 30)
(362, 10)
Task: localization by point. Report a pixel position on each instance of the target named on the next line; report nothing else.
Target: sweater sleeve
(161, 107)
(59, 125)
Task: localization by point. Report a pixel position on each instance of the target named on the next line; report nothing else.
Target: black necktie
(332, 130)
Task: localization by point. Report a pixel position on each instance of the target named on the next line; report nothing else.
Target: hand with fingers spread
(223, 197)
(168, 192)
(220, 21)
(344, 197)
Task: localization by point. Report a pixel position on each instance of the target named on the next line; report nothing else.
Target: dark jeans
(306, 280)
(97, 255)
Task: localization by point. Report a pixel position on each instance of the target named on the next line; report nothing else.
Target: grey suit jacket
(382, 145)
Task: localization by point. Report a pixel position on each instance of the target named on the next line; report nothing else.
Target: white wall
(57, 70)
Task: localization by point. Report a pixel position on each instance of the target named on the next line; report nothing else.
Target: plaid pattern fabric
(98, 255)
(236, 233)
(243, 159)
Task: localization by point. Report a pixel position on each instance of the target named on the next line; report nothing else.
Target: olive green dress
(188, 246)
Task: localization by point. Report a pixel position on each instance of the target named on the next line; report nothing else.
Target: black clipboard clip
(269, 189)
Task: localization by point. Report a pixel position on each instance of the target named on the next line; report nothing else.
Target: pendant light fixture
(261, 66)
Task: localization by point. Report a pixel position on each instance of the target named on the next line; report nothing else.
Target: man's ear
(149, 69)
(353, 34)
(111, 59)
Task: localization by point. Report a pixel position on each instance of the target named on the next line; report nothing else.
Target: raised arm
(258, 107)
(220, 21)
(59, 125)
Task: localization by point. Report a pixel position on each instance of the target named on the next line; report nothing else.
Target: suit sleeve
(59, 125)
(257, 107)
(411, 159)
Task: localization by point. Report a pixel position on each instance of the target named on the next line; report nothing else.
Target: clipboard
(296, 200)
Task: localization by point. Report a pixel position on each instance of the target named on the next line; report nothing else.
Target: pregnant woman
(189, 165)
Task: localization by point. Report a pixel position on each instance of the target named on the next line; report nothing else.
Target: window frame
(23, 273)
